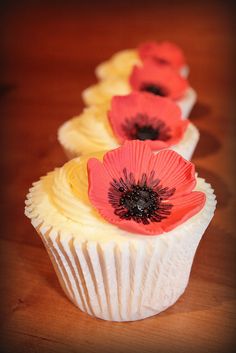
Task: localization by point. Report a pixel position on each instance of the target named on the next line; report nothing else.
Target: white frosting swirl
(88, 132)
(102, 93)
(91, 132)
(60, 201)
(119, 65)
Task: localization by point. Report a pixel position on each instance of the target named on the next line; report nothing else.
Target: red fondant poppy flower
(143, 192)
(142, 116)
(158, 80)
(164, 53)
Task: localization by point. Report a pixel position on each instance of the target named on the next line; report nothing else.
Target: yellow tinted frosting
(119, 65)
(61, 200)
(88, 132)
(103, 91)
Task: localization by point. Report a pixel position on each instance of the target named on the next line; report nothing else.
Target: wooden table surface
(49, 56)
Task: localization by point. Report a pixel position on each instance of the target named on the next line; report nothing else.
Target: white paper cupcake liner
(128, 280)
(187, 145)
(184, 71)
(187, 102)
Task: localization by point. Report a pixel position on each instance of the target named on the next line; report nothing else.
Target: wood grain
(49, 56)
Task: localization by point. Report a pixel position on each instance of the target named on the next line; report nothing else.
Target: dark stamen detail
(162, 61)
(155, 89)
(146, 132)
(142, 201)
(142, 127)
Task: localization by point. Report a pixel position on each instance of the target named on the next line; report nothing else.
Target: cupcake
(120, 65)
(122, 228)
(136, 116)
(155, 79)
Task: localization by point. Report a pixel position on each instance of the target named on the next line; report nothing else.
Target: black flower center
(142, 127)
(162, 61)
(155, 89)
(146, 132)
(144, 201)
(140, 202)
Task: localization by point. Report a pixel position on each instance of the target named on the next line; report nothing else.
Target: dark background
(49, 53)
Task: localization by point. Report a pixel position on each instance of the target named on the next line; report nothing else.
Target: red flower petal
(98, 181)
(163, 53)
(175, 172)
(184, 207)
(127, 108)
(135, 157)
(160, 76)
(172, 170)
